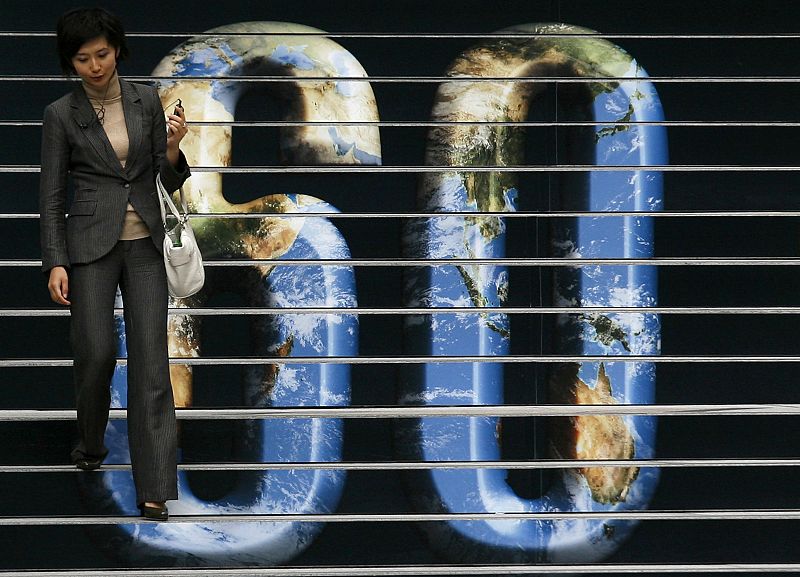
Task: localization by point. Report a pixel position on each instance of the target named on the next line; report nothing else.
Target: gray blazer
(74, 142)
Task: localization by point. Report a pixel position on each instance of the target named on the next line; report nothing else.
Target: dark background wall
(714, 436)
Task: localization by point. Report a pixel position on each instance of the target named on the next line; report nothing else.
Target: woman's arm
(53, 191)
(52, 206)
(168, 160)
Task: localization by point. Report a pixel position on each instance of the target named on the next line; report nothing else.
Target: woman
(110, 137)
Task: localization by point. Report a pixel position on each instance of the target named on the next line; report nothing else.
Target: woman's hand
(176, 130)
(58, 285)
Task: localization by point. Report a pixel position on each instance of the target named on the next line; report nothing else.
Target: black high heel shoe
(158, 513)
(89, 463)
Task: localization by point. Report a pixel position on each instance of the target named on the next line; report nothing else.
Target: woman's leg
(93, 288)
(152, 434)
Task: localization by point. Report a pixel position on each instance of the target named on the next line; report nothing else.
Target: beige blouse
(114, 125)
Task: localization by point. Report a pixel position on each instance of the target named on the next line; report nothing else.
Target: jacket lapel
(132, 108)
(85, 117)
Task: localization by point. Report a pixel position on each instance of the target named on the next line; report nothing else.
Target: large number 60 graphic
(609, 437)
(431, 439)
(273, 440)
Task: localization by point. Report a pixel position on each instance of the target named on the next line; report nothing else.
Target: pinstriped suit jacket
(74, 143)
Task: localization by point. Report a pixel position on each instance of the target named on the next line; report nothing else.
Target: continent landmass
(592, 437)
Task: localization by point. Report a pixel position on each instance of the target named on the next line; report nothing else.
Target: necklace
(101, 111)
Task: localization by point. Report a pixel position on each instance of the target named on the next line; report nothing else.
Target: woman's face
(95, 62)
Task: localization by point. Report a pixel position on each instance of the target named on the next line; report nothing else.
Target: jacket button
(126, 185)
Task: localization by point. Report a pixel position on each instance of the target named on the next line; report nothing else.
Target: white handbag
(182, 258)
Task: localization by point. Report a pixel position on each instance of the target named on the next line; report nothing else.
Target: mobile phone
(179, 105)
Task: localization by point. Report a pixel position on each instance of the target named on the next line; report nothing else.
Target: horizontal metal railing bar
(421, 169)
(413, 79)
(483, 214)
(231, 311)
(435, 35)
(445, 123)
(521, 261)
(407, 360)
(418, 570)
(638, 515)
(419, 411)
(433, 465)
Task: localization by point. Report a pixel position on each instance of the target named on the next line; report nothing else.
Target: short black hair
(79, 25)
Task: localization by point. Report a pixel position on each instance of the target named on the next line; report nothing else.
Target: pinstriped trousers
(138, 268)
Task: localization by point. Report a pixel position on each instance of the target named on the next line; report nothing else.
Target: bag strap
(166, 202)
